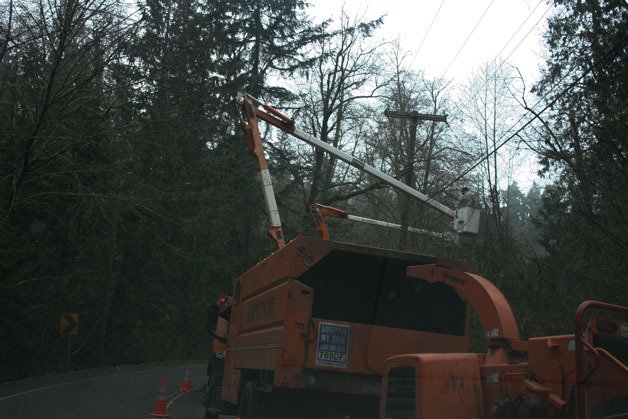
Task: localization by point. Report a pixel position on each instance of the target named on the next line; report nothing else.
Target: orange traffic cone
(161, 405)
(186, 381)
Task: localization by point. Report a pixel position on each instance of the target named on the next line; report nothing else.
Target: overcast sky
(452, 38)
(409, 21)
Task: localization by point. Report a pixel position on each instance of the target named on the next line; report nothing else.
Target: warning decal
(332, 348)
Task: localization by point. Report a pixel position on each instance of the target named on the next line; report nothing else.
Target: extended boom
(465, 219)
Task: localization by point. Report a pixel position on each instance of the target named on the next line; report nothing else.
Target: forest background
(127, 195)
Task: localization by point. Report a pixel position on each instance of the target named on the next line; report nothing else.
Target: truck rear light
(606, 326)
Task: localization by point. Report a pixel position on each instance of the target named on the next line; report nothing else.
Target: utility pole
(408, 176)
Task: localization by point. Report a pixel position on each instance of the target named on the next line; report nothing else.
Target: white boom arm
(359, 164)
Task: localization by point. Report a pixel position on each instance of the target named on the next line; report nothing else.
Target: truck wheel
(248, 404)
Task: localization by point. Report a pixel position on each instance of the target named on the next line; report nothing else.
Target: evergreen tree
(584, 212)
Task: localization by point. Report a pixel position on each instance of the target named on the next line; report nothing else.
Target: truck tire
(249, 402)
(213, 404)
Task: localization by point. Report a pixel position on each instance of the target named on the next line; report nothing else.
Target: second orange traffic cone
(161, 404)
(186, 381)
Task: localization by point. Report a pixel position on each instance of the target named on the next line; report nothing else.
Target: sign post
(68, 326)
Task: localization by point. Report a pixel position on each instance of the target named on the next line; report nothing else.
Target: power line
(467, 39)
(536, 114)
(519, 28)
(428, 31)
(519, 44)
(505, 60)
(528, 33)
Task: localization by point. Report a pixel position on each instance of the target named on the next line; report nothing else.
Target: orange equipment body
(324, 316)
(545, 377)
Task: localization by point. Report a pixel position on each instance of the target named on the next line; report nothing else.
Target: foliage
(120, 196)
(584, 146)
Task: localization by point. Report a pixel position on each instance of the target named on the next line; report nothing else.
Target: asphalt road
(128, 394)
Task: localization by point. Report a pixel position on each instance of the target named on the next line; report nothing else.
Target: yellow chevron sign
(68, 324)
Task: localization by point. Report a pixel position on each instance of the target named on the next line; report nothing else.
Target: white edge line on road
(33, 390)
(176, 395)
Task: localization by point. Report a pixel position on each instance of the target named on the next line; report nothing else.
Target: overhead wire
(467, 39)
(535, 114)
(527, 33)
(505, 60)
(522, 39)
(427, 32)
(519, 28)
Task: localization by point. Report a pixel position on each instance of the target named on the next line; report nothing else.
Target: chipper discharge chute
(576, 376)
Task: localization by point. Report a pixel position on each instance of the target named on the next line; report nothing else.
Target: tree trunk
(109, 283)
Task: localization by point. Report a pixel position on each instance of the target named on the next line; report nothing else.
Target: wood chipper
(316, 320)
(309, 332)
